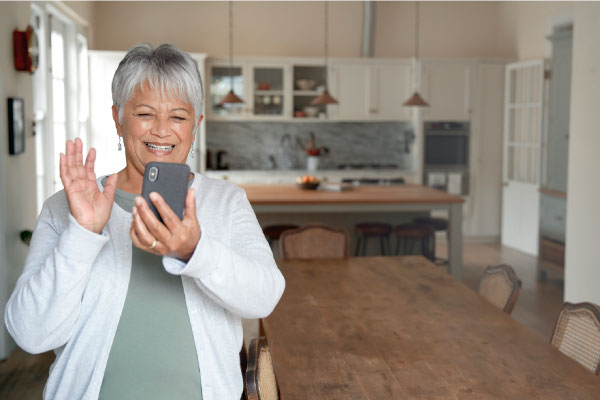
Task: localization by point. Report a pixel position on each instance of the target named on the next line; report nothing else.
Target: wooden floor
(22, 376)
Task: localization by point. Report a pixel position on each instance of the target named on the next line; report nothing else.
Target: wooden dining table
(378, 198)
(402, 328)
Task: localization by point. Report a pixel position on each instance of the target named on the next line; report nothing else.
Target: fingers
(110, 187)
(142, 233)
(64, 176)
(90, 161)
(135, 239)
(170, 219)
(154, 226)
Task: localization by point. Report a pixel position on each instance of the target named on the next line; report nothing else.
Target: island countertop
(394, 194)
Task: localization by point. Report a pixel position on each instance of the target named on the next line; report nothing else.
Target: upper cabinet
(283, 89)
(446, 86)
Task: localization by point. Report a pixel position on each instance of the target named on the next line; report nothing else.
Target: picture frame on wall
(16, 125)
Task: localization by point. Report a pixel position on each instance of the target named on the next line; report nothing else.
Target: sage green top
(153, 355)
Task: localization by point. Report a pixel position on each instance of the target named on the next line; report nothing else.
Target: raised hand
(90, 207)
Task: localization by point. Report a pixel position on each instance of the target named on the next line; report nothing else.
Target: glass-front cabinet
(269, 91)
(222, 79)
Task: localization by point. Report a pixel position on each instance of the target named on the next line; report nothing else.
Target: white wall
(582, 280)
(17, 173)
(295, 29)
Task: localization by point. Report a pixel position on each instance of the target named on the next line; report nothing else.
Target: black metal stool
(273, 232)
(437, 224)
(366, 230)
(409, 236)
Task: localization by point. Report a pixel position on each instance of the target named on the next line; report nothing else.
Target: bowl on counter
(305, 84)
(307, 182)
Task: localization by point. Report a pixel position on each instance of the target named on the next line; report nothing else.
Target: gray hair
(165, 67)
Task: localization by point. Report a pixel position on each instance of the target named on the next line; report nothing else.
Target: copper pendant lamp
(325, 97)
(231, 97)
(416, 100)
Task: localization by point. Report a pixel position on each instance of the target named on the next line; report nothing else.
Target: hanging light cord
(326, 30)
(417, 30)
(231, 43)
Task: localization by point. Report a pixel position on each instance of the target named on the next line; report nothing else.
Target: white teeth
(159, 148)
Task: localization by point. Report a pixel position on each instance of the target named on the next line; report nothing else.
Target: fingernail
(134, 210)
(154, 196)
(138, 201)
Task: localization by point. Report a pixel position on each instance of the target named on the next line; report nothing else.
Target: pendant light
(416, 100)
(231, 97)
(325, 97)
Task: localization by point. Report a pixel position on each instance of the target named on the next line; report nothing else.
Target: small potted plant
(313, 153)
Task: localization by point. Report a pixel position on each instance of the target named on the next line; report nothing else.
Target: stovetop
(367, 166)
(374, 181)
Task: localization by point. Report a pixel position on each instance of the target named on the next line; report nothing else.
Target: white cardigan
(72, 290)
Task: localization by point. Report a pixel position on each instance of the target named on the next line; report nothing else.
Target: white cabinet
(367, 92)
(446, 86)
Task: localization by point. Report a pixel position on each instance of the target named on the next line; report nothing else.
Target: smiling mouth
(157, 147)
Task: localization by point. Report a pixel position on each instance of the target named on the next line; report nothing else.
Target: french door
(523, 127)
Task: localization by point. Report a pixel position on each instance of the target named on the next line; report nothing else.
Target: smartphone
(170, 180)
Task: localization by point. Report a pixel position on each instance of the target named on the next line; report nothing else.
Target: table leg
(455, 240)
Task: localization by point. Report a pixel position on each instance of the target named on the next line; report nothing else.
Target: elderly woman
(132, 307)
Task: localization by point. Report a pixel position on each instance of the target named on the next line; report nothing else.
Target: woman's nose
(161, 127)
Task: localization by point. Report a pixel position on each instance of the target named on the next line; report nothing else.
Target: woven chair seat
(577, 334)
(500, 286)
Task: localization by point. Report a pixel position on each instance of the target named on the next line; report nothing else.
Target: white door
(523, 116)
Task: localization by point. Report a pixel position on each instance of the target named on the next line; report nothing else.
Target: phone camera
(153, 174)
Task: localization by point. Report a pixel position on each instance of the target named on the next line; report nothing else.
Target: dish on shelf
(311, 111)
(305, 84)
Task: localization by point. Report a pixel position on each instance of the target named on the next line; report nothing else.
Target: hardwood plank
(399, 327)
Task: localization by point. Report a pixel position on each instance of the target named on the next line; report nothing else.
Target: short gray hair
(166, 67)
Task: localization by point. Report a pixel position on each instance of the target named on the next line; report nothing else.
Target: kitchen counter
(274, 199)
(242, 177)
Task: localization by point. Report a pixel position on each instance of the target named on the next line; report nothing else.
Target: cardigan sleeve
(45, 304)
(241, 276)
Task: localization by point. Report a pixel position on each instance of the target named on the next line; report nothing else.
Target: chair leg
(382, 245)
(364, 248)
(389, 246)
(397, 252)
(357, 250)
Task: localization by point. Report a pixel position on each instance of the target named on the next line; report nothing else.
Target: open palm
(89, 206)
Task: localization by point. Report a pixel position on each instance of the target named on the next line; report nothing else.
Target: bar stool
(273, 232)
(367, 230)
(437, 224)
(409, 236)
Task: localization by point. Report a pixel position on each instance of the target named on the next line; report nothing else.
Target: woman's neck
(130, 181)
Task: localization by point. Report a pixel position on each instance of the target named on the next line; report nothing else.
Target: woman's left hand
(174, 237)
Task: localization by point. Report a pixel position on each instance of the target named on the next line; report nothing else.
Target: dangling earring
(120, 146)
(192, 153)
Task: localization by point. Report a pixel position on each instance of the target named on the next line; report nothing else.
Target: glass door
(269, 99)
(222, 79)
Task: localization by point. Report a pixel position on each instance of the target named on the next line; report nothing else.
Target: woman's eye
(177, 118)
(144, 115)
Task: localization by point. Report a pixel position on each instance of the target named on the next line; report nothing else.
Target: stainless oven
(446, 156)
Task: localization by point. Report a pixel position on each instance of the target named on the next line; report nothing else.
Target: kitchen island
(267, 199)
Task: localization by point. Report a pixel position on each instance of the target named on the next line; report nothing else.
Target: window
(61, 95)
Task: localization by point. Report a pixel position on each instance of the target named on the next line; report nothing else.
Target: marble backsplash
(278, 145)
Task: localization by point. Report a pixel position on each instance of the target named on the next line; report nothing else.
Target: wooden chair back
(577, 334)
(314, 241)
(501, 286)
(260, 380)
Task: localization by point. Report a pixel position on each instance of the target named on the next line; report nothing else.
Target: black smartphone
(170, 180)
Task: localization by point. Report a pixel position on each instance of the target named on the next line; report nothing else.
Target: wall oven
(446, 156)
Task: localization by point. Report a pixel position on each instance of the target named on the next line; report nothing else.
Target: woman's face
(155, 128)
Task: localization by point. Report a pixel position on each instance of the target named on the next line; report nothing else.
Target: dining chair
(501, 286)
(577, 334)
(260, 379)
(314, 241)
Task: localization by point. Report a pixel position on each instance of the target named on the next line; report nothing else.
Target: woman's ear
(200, 118)
(115, 115)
